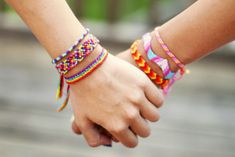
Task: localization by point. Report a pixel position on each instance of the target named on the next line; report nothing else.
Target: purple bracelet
(57, 59)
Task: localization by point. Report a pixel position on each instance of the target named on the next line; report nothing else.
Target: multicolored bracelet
(167, 50)
(57, 59)
(161, 62)
(89, 69)
(78, 55)
(79, 76)
(158, 80)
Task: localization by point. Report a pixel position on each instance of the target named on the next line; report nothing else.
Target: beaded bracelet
(158, 80)
(167, 50)
(77, 56)
(161, 62)
(89, 69)
(57, 59)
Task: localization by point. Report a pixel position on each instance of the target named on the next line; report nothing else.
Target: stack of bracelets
(87, 44)
(71, 58)
(169, 77)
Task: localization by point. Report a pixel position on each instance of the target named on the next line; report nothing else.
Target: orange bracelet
(143, 65)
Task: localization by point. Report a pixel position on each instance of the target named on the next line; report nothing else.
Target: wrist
(160, 52)
(176, 42)
(156, 68)
(157, 49)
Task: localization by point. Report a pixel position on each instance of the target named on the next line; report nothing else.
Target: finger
(92, 135)
(105, 132)
(105, 140)
(148, 110)
(76, 129)
(140, 127)
(104, 135)
(124, 135)
(153, 94)
(114, 139)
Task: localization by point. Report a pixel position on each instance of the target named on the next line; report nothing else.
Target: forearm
(51, 21)
(203, 27)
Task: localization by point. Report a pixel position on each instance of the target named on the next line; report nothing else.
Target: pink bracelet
(161, 62)
(167, 50)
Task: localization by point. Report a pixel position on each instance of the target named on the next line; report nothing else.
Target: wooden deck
(197, 119)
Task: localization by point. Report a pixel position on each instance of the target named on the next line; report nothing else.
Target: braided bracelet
(167, 50)
(77, 56)
(89, 69)
(161, 62)
(158, 80)
(57, 59)
(79, 76)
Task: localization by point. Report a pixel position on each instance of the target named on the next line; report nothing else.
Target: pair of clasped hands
(116, 102)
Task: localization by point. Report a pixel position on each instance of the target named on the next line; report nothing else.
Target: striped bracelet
(167, 50)
(161, 62)
(88, 69)
(142, 64)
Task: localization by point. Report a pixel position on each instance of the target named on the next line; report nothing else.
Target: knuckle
(132, 115)
(136, 97)
(75, 128)
(117, 129)
(82, 125)
(146, 134)
(155, 117)
(160, 100)
(142, 83)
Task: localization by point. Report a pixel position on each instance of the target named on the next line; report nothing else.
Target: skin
(118, 100)
(191, 35)
(187, 35)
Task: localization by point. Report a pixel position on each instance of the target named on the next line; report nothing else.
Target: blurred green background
(97, 9)
(111, 10)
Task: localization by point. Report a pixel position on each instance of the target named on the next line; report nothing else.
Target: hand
(126, 56)
(119, 97)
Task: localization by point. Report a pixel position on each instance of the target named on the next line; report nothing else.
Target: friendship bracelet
(167, 50)
(77, 56)
(161, 62)
(89, 69)
(57, 59)
(158, 80)
(79, 76)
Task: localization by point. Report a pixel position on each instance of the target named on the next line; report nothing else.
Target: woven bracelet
(57, 59)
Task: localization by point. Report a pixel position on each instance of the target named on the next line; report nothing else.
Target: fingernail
(107, 145)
